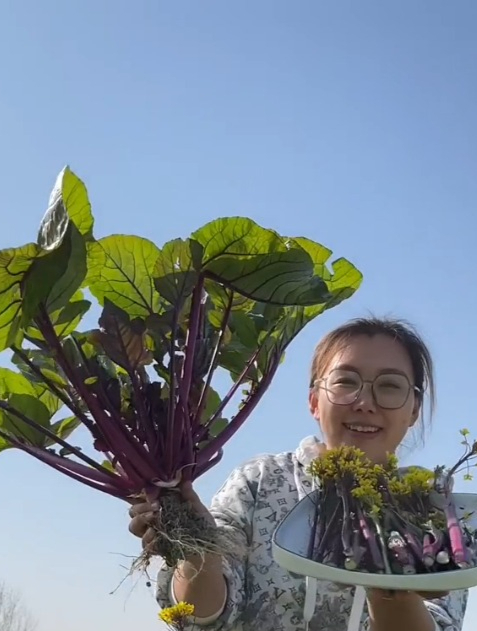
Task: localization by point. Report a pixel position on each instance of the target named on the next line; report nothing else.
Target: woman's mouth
(366, 431)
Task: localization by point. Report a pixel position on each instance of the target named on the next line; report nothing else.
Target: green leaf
(123, 340)
(174, 274)
(258, 263)
(217, 427)
(20, 394)
(55, 277)
(106, 464)
(120, 269)
(42, 361)
(63, 429)
(49, 400)
(65, 320)
(68, 203)
(342, 284)
(212, 403)
(14, 264)
(244, 327)
(232, 237)
(68, 319)
(281, 278)
(220, 296)
(318, 253)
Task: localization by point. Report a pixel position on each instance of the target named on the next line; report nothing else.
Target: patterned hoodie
(261, 594)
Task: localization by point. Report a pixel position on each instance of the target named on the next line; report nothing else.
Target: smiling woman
(370, 382)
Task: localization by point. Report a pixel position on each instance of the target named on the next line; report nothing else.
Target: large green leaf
(55, 277)
(19, 393)
(14, 264)
(68, 203)
(174, 273)
(258, 263)
(281, 278)
(342, 284)
(236, 236)
(120, 269)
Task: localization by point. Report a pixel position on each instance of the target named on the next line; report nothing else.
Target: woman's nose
(365, 401)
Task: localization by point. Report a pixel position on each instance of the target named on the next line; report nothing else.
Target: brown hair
(399, 330)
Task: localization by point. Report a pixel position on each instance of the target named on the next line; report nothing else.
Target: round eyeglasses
(390, 391)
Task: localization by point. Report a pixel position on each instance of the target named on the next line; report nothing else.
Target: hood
(308, 449)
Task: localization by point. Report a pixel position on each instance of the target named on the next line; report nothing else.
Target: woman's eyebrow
(387, 371)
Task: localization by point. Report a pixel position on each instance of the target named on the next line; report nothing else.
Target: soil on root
(181, 534)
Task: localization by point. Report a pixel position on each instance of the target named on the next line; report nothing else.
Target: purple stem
(432, 545)
(214, 361)
(192, 333)
(208, 465)
(214, 445)
(54, 389)
(144, 418)
(46, 432)
(172, 397)
(202, 430)
(370, 539)
(346, 527)
(460, 552)
(114, 433)
(95, 479)
(330, 527)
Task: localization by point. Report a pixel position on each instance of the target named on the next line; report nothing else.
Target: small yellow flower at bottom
(177, 615)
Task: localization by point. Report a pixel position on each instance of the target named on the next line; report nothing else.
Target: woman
(368, 381)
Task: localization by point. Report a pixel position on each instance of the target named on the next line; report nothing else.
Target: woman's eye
(390, 385)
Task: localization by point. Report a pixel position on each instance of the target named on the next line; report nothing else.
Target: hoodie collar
(308, 450)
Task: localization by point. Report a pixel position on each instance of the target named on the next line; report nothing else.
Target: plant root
(180, 533)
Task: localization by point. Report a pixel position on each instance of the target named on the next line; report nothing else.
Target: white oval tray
(290, 546)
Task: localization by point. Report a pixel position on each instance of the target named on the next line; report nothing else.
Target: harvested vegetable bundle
(376, 518)
(231, 297)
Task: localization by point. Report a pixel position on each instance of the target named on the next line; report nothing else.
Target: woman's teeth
(367, 429)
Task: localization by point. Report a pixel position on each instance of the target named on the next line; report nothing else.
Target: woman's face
(363, 423)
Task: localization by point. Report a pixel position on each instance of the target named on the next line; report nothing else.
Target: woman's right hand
(144, 515)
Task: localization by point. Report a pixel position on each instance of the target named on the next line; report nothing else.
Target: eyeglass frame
(412, 388)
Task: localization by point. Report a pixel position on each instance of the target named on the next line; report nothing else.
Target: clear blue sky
(352, 123)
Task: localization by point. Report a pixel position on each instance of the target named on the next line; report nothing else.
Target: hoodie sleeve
(232, 508)
(448, 612)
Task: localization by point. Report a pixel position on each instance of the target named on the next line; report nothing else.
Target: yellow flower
(177, 615)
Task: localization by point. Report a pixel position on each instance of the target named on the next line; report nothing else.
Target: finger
(139, 525)
(188, 493)
(140, 509)
(149, 538)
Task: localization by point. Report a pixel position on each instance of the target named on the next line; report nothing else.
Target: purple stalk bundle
(385, 521)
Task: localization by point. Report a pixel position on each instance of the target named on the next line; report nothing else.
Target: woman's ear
(313, 404)
(416, 410)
